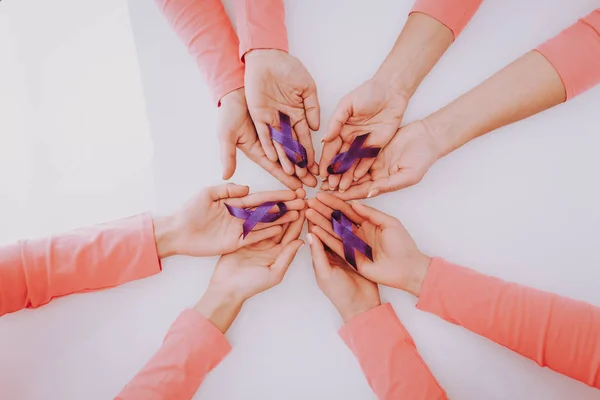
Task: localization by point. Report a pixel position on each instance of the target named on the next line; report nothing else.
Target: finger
(257, 236)
(265, 140)
(330, 150)
(300, 193)
(325, 185)
(330, 241)
(226, 191)
(309, 180)
(285, 162)
(284, 259)
(336, 203)
(397, 181)
(359, 191)
(256, 199)
(319, 207)
(255, 152)
(319, 257)
(347, 177)
(334, 179)
(228, 148)
(302, 131)
(342, 112)
(321, 221)
(294, 229)
(362, 168)
(374, 216)
(312, 110)
(284, 219)
(278, 237)
(300, 172)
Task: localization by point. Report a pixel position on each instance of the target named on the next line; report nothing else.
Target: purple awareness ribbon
(260, 214)
(356, 151)
(343, 227)
(293, 149)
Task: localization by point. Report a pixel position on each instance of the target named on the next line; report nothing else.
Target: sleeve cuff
(381, 320)
(575, 55)
(205, 334)
(454, 14)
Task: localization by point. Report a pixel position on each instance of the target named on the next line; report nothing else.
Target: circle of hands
(278, 82)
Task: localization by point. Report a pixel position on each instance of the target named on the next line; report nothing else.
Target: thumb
(400, 180)
(228, 150)
(374, 216)
(285, 258)
(342, 112)
(319, 257)
(312, 110)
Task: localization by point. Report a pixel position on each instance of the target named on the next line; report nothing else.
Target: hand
(396, 260)
(247, 272)
(204, 227)
(349, 292)
(277, 81)
(402, 163)
(237, 130)
(377, 107)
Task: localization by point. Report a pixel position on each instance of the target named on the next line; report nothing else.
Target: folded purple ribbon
(343, 227)
(356, 151)
(293, 149)
(260, 214)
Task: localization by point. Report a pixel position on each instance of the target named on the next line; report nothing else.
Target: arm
(388, 356)
(558, 70)
(33, 272)
(261, 25)
(377, 106)
(555, 332)
(384, 349)
(195, 344)
(209, 37)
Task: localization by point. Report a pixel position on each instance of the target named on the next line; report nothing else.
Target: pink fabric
(455, 14)
(261, 25)
(388, 356)
(33, 272)
(575, 54)
(555, 332)
(191, 349)
(205, 29)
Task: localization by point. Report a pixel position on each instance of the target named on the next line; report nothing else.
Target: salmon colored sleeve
(191, 349)
(555, 332)
(388, 356)
(261, 25)
(209, 37)
(454, 14)
(33, 272)
(575, 54)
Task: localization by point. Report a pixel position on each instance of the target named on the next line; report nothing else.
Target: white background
(521, 203)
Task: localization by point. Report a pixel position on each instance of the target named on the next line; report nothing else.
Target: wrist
(420, 267)
(259, 53)
(220, 307)
(165, 234)
(235, 96)
(352, 310)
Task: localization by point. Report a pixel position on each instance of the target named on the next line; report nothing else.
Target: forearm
(420, 45)
(194, 346)
(205, 29)
(33, 272)
(388, 356)
(524, 88)
(554, 331)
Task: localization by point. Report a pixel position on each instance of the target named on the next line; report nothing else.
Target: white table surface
(521, 203)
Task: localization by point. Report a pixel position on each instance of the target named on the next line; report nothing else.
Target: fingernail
(355, 179)
(373, 193)
(342, 190)
(309, 238)
(322, 140)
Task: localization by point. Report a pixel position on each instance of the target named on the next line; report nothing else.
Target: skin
(236, 130)
(377, 106)
(526, 87)
(397, 261)
(278, 82)
(248, 271)
(203, 226)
